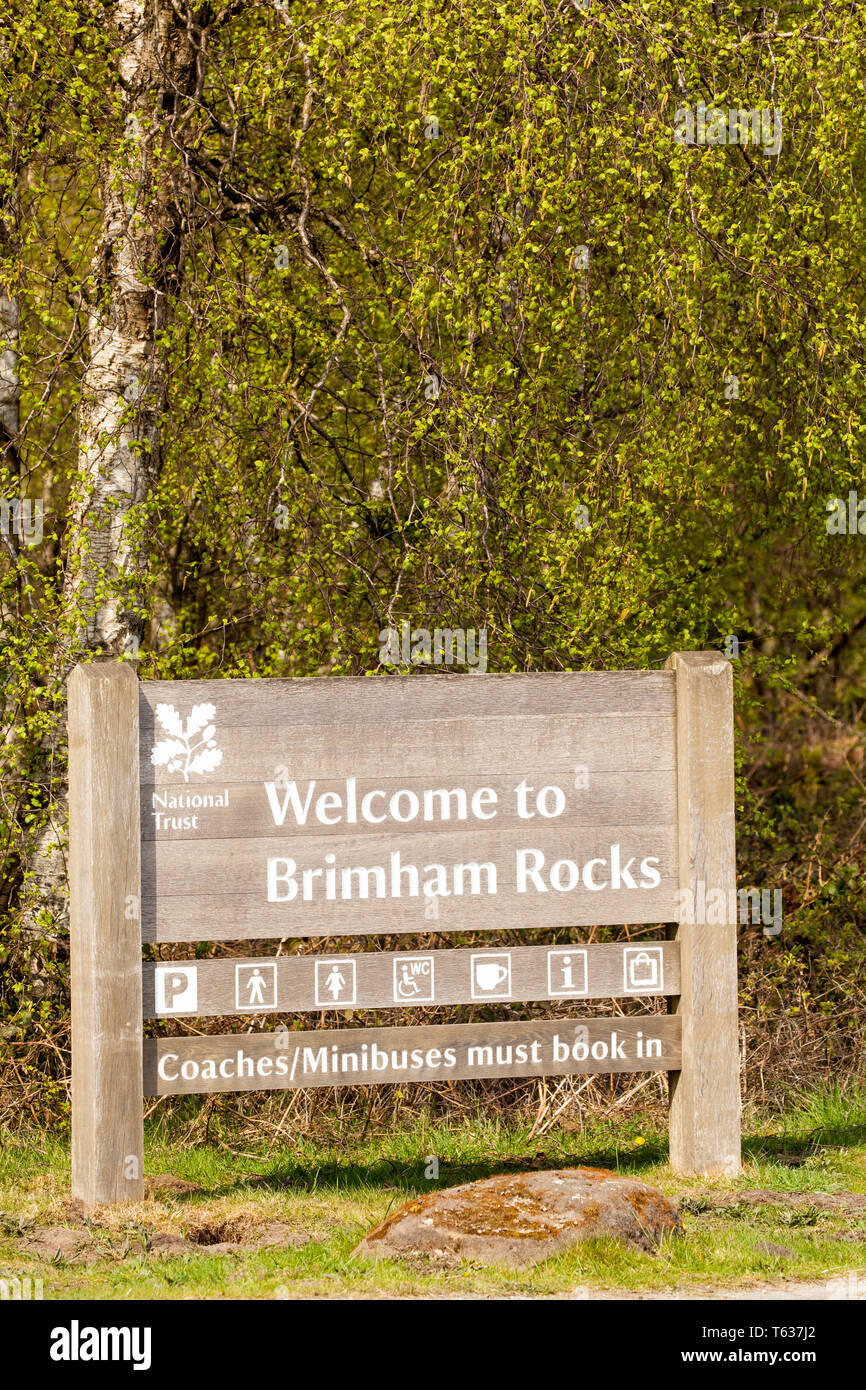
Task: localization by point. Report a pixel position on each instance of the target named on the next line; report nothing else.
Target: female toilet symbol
(335, 982)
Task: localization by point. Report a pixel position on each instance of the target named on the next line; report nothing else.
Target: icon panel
(643, 969)
(567, 972)
(336, 982)
(490, 975)
(176, 989)
(255, 988)
(414, 981)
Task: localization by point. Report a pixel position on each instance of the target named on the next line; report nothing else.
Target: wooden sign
(329, 808)
(400, 979)
(224, 810)
(351, 1056)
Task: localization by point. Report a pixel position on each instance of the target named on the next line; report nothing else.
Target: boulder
(519, 1219)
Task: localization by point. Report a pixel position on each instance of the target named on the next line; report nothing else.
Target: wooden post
(105, 935)
(705, 1093)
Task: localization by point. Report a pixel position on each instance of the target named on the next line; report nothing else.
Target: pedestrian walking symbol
(255, 987)
(335, 983)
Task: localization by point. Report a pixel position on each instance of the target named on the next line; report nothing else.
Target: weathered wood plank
(406, 979)
(277, 703)
(705, 1094)
(105, 934)
(180, 811)
(463, 744)
(186, 868)
(284, 1060)
(179, 878)
(217, 917)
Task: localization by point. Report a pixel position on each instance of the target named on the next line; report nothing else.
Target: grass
(338, 1191)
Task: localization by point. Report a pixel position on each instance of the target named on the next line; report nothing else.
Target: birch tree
(10, 390)
(450, 329)
(144, 186)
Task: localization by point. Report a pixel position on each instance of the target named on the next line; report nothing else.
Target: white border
(502, 956)
(658, 954)
(567, 993)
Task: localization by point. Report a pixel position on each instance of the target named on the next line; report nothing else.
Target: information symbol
(566, 972)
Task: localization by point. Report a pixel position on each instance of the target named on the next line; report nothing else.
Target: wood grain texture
(460, 748)
(406, 979)
(284, 1060)
(315, 700)
(241, 811)
(218, 889)
(105, 934)
(221, 917)
(605, 740)
(705, 1094)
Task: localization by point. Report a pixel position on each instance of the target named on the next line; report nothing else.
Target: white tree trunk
(135, 274)
(9, 386)
(10, 391)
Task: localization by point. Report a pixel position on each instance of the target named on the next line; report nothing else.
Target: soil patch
(83, 1245)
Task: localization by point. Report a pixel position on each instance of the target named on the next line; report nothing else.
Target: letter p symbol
(176, 989)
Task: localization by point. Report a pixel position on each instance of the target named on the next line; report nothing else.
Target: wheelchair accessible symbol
(413, 980)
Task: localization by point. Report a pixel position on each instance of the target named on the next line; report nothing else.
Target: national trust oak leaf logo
(187, 750)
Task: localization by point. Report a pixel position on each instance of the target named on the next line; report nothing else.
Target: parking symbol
(176, 988)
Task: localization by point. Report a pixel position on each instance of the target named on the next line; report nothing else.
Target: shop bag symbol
(643, 968)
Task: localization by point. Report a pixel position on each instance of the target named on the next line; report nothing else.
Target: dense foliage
(456, 331)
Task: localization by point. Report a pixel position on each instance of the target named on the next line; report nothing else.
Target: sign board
(268, 1061)
(409, 979)
(343, 807)
(224, 810)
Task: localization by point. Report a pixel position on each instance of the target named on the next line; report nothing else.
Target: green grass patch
(335, 1190)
